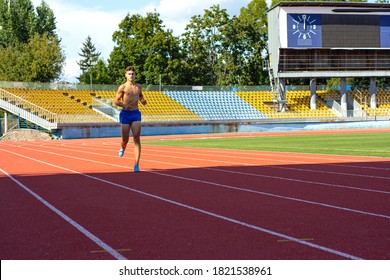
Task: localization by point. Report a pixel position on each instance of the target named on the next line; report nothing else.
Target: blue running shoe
(121, 152)
(136, 168)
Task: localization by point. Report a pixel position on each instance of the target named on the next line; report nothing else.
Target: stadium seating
(105, 94)
(216, 105)
(160, 107)
(298, 104)
(382, 101)
(77, 105)
(263, 101)
(57, 102)
(82, 96)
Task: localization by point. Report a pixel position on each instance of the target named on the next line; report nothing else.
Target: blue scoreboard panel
(338, 31)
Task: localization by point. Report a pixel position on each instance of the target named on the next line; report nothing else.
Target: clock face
(304, 27)
(304, 30)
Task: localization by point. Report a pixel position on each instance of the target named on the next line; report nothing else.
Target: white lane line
(231, 153)
(226, 171)
(227, 186)
(271, 154)
(108, 248)
(300, 181)
(275, 195)
(273, 158)
(336, 160)
(240, 156)
(79, 227)
(272, 167)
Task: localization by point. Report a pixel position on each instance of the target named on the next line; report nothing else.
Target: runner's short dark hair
(130, 68)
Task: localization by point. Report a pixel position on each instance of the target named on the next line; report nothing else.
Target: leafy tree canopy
(29, 46)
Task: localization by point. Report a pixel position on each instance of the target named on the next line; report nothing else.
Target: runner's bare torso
(130, 95)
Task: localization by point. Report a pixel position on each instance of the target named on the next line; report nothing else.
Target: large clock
(304, 30)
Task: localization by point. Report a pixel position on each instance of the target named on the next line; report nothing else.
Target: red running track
(76, 199)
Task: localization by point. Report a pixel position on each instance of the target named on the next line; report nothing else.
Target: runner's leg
(125, 129)
(136, 130)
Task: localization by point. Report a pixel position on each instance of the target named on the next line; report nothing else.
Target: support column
(282, 95)
(313, 94)
(344, 98)
(372, 92)
(5, 122)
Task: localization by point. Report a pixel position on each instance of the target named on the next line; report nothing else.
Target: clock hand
(304, 22)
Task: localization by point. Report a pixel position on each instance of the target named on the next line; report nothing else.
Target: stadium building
(329, 40)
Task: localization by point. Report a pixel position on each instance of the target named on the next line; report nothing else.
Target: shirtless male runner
(127, 97)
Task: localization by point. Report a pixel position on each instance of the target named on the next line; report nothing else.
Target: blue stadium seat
(216, 105)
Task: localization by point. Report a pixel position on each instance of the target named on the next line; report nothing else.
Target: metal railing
(56, 86)
(105, 108)
(334, 59)
(27, 110)
(102, 87)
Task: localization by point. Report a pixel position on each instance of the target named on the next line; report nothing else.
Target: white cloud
(177, 14)
(75, 23)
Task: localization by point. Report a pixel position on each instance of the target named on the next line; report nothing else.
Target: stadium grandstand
(55, 109)
(306, 41)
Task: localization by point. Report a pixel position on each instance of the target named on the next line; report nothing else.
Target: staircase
(27, 110)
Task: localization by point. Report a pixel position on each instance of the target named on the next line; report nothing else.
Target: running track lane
(241, 207)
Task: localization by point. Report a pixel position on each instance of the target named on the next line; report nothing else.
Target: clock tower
(328, 40)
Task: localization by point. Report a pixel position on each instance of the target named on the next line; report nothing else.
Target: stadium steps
(160, 107)
(261, 100)
(382, 101)
(299, 105)
(105, 94)
(83, 97)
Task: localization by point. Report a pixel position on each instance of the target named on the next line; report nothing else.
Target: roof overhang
(338, 5)
(333, 74)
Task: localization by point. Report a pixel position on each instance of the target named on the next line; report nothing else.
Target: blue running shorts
(127, 117)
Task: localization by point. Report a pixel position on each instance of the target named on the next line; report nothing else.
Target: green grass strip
(356, 144)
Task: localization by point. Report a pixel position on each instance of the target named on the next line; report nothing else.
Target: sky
(76, 19)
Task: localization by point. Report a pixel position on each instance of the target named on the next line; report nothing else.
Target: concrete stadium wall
(100, 131)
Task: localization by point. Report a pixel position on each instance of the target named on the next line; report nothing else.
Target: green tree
(40, 60)
(29, 46)
(203, 42)
(100, 73)
(227, 51)
(90, 57)
(9, 67)
(253, 35)
(383, 83)
(143, 43)
(4, 23)
(45, 21)
(21, 21)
